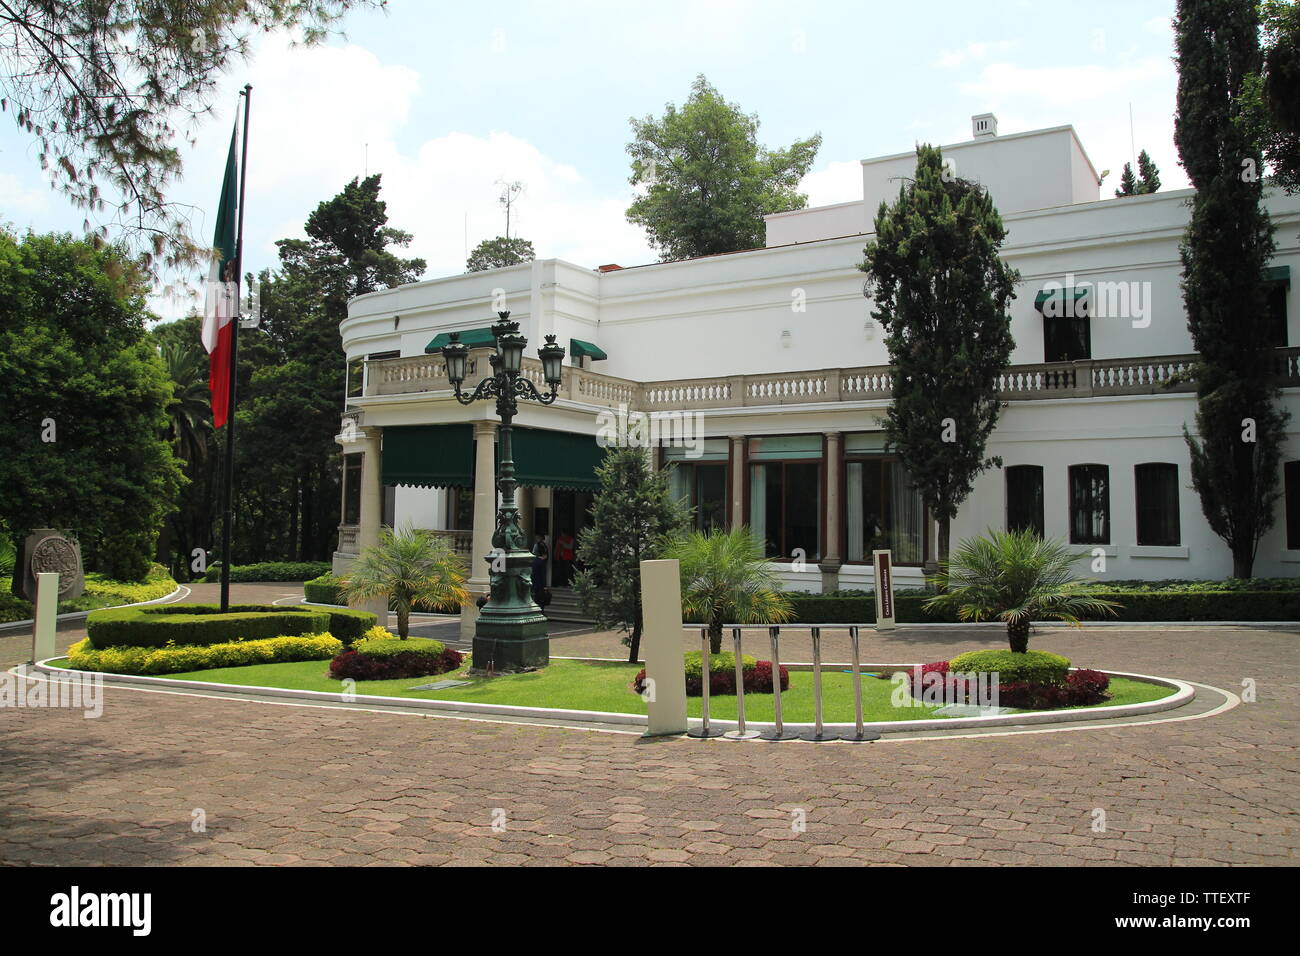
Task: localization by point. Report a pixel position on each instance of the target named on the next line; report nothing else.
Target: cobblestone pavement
(284, 784)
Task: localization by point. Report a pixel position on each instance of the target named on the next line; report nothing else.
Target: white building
(775, 350)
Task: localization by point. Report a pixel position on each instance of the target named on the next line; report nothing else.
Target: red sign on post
(882, 561)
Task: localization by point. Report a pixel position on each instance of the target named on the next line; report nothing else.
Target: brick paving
(302, 785)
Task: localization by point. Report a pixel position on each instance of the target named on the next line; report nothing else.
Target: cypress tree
(942, 292)
(1229, 239)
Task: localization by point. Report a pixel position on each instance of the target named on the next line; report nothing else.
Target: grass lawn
(578, 685)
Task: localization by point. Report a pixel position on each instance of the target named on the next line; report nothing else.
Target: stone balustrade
(1083, 379)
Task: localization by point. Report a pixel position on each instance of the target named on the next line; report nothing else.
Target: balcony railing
(1088, 378)
(462, 541)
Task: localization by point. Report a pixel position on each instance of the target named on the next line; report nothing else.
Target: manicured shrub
(324, 589)
(380, 658)
(202, 624)
(1081, 688)
(722, 676)
(173, 660)
(1034, 667)
(348, 624)
(269, 571)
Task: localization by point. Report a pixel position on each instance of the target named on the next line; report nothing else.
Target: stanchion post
(818, 733)
(740, 733)
(860, 734)
(778, 732)
(706, 674)
(46, 618)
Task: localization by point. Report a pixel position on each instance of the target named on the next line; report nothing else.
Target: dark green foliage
(942, 293)
(291, 375)
(709, 183)
(349, 625)
(632, 518)
(270, 571)
(1273, 97)
(1146, 181)
(323, 590)
(75, 357)
(200, 624)
(106, 87)
(494, 253)
(1034, 667)
(1229, 241)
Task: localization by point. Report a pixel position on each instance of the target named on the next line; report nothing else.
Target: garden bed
(598, 686)
(101, 592)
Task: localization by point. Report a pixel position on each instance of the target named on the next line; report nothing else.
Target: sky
(449, 101)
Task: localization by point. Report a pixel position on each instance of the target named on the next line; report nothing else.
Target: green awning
(579, 348)
(1058, 295)
(474, 338)
(1278, 274)
(555, 459)
(429, 456)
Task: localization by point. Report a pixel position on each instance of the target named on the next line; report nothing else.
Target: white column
(485, 517)
(737, 480)
(831, 558)
(372, 509)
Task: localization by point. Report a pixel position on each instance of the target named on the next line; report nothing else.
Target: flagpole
(227, 504)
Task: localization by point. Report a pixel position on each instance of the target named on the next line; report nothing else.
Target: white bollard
(661, 641)
(47, 616)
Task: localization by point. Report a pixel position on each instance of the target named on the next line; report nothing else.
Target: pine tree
(1229, 240)
(633, 517)
(1128, 184)
(1148, 173)
(942, 292)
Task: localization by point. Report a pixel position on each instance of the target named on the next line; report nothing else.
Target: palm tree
(408, 565)
(1016, 577)
(190, 412)
(726, 578)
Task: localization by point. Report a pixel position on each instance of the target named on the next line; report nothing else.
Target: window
(1025, 498)
(1066, 338)
(1089, 504)
(882, 511)
(1156, 491)
(785, 484)
(699, 476)
(1275, 309)
(356, 377)
(460, 509)
(1291, 471)
(352, 489)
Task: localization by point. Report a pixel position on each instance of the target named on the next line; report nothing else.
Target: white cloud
(19, 199)
(1066, 85)
(837, 182)
(978, 50)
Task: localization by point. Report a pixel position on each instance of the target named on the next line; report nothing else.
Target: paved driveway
(278, 783)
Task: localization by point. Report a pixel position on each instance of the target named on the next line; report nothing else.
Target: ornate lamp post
(511, 629)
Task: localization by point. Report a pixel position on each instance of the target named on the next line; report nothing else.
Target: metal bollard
(778, 732)
(817, 734)
(740, 733)
(706, 671)
(860, 735)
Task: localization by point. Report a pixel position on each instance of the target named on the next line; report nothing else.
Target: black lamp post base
(513, 646)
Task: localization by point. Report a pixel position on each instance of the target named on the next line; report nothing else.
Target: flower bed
(1034, 685)
(178, 659)
(722, 675)
(380, 656)
(101, 592)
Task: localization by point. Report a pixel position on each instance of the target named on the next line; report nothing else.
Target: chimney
(984, 125)
(608, 268)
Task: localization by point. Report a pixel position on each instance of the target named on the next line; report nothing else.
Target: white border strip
(1183, 694)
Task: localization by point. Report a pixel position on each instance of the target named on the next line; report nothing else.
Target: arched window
(1156, 491)
(1089, 504)
(1025, 498)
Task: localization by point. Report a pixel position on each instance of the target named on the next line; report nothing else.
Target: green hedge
(269, 571)
(323, 590)
(1033, 667)
(392, 646)
(724, 661)
(175, 660)
(101, 591)
(1189, 605)
(203, 624)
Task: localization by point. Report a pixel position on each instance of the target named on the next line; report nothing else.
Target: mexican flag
(221, 304)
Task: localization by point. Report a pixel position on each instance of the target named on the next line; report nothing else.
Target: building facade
(763, 380)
